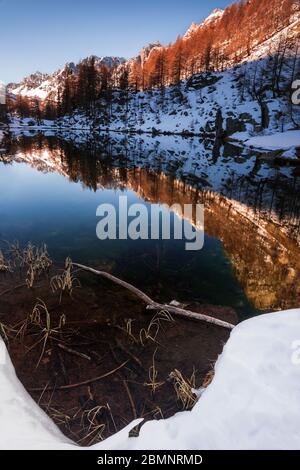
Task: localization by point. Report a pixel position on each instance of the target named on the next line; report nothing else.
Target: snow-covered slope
(192, 109)
(250, 97)
(42, 86)
(244, 94)
(252, 403)
(36, 85)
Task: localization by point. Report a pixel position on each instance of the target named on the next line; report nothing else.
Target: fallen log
(152, 305)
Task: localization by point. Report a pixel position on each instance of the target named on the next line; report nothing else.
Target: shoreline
(257, 143)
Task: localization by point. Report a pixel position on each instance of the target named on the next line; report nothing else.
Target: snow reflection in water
(250, 260)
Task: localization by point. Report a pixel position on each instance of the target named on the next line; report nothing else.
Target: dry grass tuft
(184, 389)
(66, 281)
(5, 331)
(152, 331)
(153, 383)
(4, 264)
(59, 417)
(35, 260)
(95, 429)
(40, 317)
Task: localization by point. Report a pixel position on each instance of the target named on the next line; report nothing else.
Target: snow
(215, 15)
(194, 26)
(16, 123)
(252, 403)
(191, 157)
(23, 424)
(270, 46)
(191, 108)
(190, 114)
(280, 140)
(41, 86)
(40, 92)
(190, 161)
(2, 92)
(1, 138)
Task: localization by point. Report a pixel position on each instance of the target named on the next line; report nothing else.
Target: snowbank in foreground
(23, 425)
(280, 140)
(252, 403)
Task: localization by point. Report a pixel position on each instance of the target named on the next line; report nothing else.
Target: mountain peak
(215, 16)
(146, 51)
(217, 12)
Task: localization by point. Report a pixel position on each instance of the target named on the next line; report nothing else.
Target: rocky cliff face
(45, 86)
(212, 19)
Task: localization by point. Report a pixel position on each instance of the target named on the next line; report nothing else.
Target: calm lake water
(51, 188)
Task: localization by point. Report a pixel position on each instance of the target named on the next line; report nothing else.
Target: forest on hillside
(213, 46)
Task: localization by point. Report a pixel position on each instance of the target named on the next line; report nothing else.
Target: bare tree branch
(152, 305)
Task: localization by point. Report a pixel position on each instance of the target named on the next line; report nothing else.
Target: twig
(72, 351)
(79, 384)
(129, 353)
(12, 288)
(42, 394)
(63, 368)
(112, 417)
(152, 305)
(130, 399)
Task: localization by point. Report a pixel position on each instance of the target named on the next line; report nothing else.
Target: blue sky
(43, 35)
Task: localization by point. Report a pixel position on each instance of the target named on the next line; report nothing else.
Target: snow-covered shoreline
(288, 142)
(252, 403)
(280, 140)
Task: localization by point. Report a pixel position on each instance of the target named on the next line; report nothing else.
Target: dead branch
(79, 384)
(116, 280)
(191, 315)
(152, 305)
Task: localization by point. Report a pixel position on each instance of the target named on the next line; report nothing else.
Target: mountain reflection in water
(250, 207)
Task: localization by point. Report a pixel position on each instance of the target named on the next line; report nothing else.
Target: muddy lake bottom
(105, 334)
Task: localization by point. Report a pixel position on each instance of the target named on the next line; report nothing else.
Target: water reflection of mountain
(252, 207)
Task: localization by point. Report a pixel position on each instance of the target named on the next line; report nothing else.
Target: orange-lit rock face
(261, 239)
